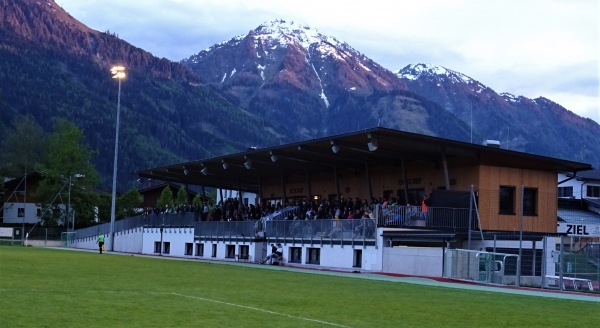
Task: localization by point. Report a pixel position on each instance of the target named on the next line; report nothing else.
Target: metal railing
(153, 220)
(301, 229)
(322, 229)
(225, 229)
(435, 217)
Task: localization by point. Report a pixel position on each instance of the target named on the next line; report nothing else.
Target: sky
(531, 48)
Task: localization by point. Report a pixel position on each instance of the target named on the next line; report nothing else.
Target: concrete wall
(129, 241)
(88, 243)
(176, 237)
(417, 261)
(142, 240)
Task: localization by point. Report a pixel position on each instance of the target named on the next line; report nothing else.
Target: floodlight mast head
(372, 144)
(118, 72)
(334, 148)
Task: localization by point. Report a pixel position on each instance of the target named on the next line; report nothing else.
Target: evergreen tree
(182, 196)
(166, 197)
(197, 199)
(129, 203)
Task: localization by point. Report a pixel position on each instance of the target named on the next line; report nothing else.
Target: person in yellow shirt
(100, 242)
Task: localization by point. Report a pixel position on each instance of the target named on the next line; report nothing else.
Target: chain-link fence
(33, 235)
(576, 264)
(481, 266)
(567, 263)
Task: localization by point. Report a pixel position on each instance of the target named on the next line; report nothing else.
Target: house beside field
(485, 207)
(20, 205)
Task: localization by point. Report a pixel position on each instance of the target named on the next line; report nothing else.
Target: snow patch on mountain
(261, 68)
(509, 97)
(288, 32)
(285, 33)
(416, 71)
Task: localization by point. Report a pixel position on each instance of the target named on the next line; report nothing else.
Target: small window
(295, 255)
(565, 192)
(357, 258)
(530, 201)
(214, 250)
(244, 251)
(166, 247)
(314, 256)
(21, 212)
(230, 251)
(189, 248)
(157, 247)
(199, 249)
(507, 200)
(593, 191)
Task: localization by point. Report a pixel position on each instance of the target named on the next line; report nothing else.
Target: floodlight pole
(118, 73)
(68, 216)
(23, 237)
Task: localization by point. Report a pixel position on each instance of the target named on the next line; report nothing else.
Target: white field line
(261, 310)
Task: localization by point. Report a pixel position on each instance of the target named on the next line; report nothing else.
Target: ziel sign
(581, 230)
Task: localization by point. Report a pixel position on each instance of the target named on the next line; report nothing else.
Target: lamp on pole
(70, 213)
(118, 72)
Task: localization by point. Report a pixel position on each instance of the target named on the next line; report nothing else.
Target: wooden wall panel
(489, 189)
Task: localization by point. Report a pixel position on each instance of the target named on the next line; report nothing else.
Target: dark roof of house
(244, 170)
(578, 216)
(16, 182)
(593, 175)
(593, 201)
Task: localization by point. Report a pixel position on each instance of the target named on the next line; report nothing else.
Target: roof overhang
(355, 151)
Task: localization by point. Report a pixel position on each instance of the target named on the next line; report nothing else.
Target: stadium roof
(245, 170)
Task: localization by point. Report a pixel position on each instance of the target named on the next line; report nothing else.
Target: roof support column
(260, 192)
(240, 194)
(405, 180)
(188, 199)
(337, 182)
(284, 200)
(221, 193)
(370, 186)
(445, 167)
(308, 186)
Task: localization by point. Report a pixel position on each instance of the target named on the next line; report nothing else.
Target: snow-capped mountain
(532, 125)
(314, 85)
(310, 82)
(281, 82)
(442, 74)
(275, 48)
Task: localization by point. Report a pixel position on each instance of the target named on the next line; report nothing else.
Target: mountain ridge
(166, 116)
(538, 125)
(249, 90)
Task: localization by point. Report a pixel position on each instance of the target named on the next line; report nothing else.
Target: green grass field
(58, 288)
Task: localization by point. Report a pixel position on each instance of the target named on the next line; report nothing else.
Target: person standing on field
(100, 242)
